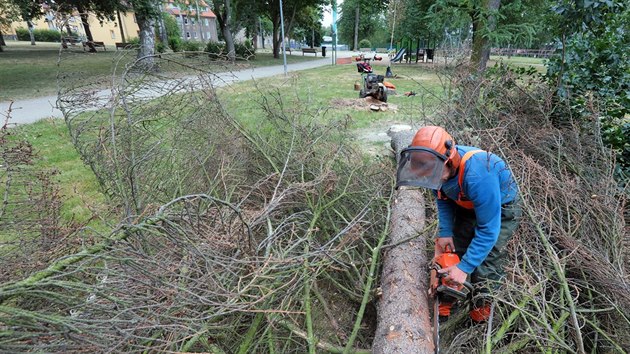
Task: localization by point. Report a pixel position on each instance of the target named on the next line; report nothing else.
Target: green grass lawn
(328, 89)
(31, 71)
(331, 88)
(525, 62)
(54, 150)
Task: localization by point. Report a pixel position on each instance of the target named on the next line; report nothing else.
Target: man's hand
(441, 245)
(454, 274)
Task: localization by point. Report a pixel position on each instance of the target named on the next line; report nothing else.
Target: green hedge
(41, 35)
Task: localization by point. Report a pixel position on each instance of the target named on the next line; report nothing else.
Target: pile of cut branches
(568, 284)
(237, 236)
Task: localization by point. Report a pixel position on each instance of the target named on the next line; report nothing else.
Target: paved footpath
(31, 110)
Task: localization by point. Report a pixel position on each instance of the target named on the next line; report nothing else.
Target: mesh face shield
(420, 167)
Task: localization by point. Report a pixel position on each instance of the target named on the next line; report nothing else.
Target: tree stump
(403, 321)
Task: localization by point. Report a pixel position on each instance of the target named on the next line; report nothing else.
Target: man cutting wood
(478, 209)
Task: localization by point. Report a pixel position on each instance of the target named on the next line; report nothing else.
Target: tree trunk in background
(223, 11)
(162, 28)
(403, 322)
(255, 34)
(120, 24)
(29, 24)
(276, 39)
(147, 40)
(2, 42)
(483, 21)
(86, 26)
(356, 30)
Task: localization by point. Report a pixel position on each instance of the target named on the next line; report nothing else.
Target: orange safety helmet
(438, 140)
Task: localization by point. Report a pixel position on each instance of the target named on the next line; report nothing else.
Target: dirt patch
(378, 142)
(363, 104)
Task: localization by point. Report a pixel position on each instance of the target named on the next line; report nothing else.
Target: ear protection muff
(449, 145)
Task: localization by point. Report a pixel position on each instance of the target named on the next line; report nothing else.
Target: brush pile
(569, 281)
(238, 236)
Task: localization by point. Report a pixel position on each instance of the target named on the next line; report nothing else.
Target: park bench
(93, 45)
(309, 50)
(364, 50)
(120, 45)
(381, 50)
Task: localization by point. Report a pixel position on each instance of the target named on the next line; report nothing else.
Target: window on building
(112, 33)
(205, 21)
(187, 35)
(185, 20)
(194, 34)
(208, 35)
(135, 20)
(192, 20)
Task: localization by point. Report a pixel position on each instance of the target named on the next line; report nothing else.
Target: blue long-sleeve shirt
(488, 183)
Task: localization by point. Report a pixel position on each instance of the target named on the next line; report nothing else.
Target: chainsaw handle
(469, 286)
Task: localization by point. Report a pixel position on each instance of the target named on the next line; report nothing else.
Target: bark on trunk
(2, 42)
(29, 24)
(276, 38)
(483, 21)
(86, 26)
(147, 41)
(120, 24)
(403, 322)
(162, 29)
(356, 29)
(255, 34)
(223, 11)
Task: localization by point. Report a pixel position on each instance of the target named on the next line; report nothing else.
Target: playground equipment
(399, 56)
(421, 48)
(372, 83)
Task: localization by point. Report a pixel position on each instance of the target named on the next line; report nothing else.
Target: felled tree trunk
(404, 324)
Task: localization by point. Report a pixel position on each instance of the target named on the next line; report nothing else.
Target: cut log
(403, 321)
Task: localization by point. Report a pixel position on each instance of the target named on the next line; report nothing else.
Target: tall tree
(492, 22)
(29, 10)
(9, 12)
(147, 12)
(290, 7)
(223, 11)
(308, 25)
(360, 19)
(102, 9)
(483, 23)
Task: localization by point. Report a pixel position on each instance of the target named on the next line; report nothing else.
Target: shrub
(175, 44)
(134, 42)
(214, 48)
(191, 46)
(22, 34)
(244, 50)
(41, 35)
(364, 43)
(160, 47)
(45, 35)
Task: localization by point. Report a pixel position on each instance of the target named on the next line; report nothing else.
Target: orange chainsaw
(445, 293)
